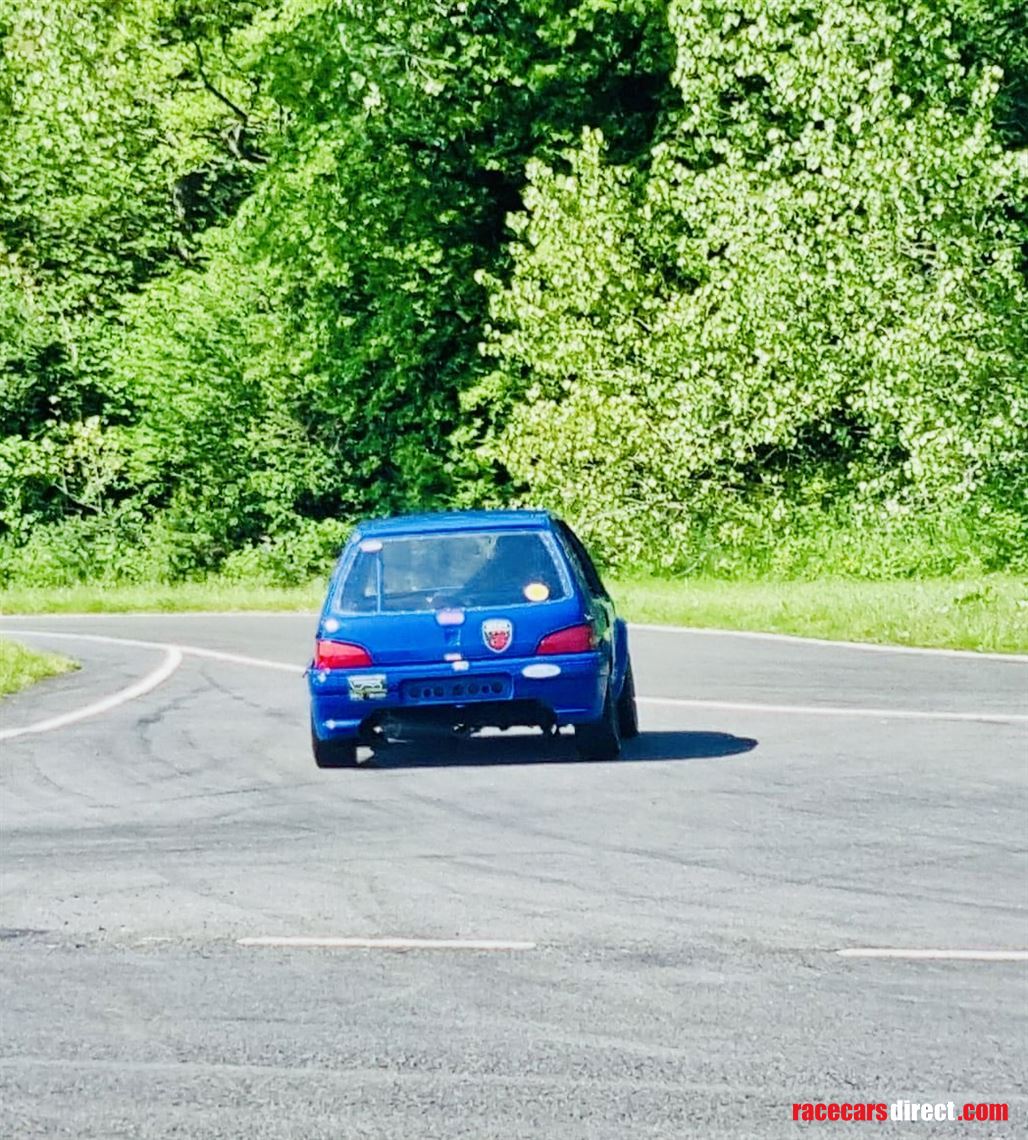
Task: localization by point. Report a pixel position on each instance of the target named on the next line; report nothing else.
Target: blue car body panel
(438, 662)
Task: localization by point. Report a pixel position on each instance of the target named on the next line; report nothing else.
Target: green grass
(21, 667)
(215, 594)
(988, 613)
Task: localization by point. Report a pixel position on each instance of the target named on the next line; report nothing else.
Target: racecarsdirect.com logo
(903, 1111)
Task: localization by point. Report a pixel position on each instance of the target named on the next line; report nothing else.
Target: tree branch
(240, 114)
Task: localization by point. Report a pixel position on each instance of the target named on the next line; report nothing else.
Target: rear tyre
(628, 715)
(333, 753)
(600, 740)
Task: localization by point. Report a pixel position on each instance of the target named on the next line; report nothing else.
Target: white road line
(107, 614)
(385, 943)
(837, 710)
(670, 702)
(241, 659)
(937, 955)
(869, 646)
(188, 650)
(172, 660)
(644, 627)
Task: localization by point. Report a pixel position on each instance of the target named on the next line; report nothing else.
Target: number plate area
(456, 691)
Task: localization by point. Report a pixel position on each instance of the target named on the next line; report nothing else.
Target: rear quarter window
(585, 563)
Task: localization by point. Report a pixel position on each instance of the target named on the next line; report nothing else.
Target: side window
(589, 572)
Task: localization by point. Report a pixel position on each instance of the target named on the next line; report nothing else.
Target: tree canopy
(728, 282)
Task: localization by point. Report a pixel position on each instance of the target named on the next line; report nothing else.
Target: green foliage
(291, 558)
(995, 32)
(114, 154)
(812, 301)
(405, 152)
(739, 287)
(352, 165)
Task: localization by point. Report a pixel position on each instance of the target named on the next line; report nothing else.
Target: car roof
(442, 522)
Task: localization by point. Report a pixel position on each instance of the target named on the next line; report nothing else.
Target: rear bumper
(571, 687)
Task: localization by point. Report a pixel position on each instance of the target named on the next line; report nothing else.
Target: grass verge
(989, 613)
(212, 595)
(21, 667)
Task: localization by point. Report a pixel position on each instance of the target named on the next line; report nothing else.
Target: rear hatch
(478, 634)
(429, 598)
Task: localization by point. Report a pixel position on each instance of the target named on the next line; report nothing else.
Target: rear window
(431, 572)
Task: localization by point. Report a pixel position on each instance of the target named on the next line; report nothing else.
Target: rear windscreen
(437, 571)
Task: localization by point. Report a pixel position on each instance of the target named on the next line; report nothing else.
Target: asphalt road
(686, 903)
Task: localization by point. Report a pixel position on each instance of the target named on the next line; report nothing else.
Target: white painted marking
(937, 955)
(647, 627)
(170, 614)
(172, 660)
(189, 650)
(670, 702)
(838, 710)
(240, 659)
(869, 646)
(386, 943)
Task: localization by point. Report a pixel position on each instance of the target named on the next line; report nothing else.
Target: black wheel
(333, 753)
(600, 740)
(628, 715)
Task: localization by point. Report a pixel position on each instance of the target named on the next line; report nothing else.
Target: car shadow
(493, 751)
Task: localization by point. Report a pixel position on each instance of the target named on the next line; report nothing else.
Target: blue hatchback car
(464, 620)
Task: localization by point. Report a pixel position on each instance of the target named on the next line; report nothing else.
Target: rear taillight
(340, 655)
(574, 639)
